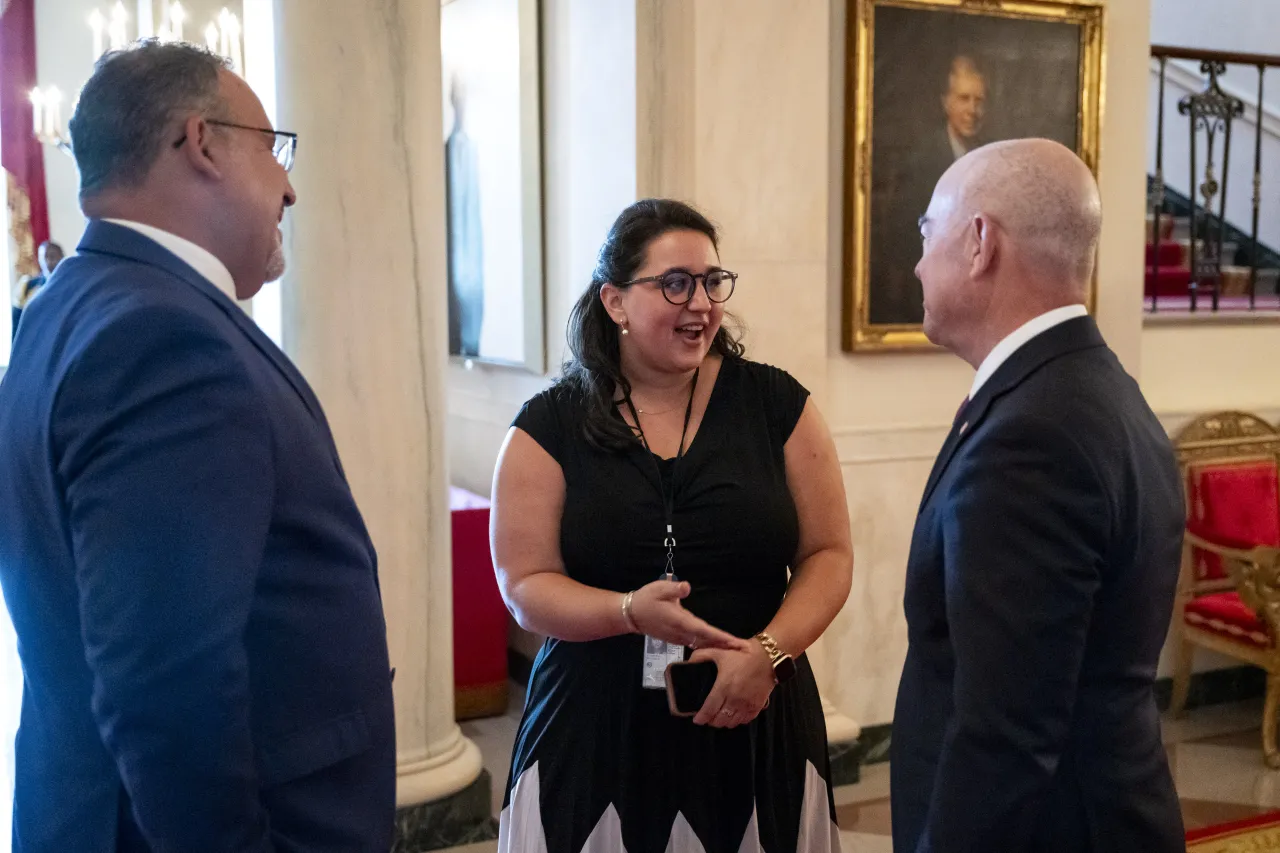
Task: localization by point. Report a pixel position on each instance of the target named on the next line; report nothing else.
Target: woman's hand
(657, 612)
(743, 685)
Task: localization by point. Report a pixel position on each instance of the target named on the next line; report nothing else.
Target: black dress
(600, 765)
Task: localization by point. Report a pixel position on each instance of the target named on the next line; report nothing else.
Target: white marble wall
(1197, 367)
(364, 320)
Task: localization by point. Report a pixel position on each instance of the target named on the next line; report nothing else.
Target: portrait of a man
(951, 127)
(943, 82)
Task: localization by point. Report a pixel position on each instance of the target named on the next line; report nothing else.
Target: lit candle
(116, 32)
(53, 113)
(99, 25)
(211, 38)
(146, 19)
(37, 111)
(177, 16)
(224, 26)
(233, 39)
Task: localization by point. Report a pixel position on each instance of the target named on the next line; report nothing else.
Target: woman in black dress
(663, 488)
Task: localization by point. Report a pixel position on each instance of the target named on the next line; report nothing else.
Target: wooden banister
(1201, 55)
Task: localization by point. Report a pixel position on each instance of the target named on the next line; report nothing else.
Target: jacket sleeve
(165, 458)
(1025, 536)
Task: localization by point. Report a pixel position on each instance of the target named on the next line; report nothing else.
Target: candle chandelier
(110, 31)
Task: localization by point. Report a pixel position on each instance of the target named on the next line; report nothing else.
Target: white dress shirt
(201, 260)
(1020, 338)
(958, 148)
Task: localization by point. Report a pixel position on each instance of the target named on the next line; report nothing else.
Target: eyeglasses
(678, 286)
(283, 148)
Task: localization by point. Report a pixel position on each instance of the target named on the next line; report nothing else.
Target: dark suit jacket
(1038, 595)
(194, 592)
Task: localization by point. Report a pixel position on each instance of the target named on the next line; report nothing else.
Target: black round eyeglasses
(678, 286)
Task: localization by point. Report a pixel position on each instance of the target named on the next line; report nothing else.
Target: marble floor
(1214, 752)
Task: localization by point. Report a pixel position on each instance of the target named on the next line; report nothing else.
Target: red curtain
(21, 154)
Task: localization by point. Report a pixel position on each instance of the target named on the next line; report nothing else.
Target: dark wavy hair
(594, 370)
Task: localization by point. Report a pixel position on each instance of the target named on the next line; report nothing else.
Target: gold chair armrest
(1211, 587)
(1214, 548)
(1192, 588)
(1255, 574)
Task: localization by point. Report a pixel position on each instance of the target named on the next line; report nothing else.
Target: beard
(276, 262)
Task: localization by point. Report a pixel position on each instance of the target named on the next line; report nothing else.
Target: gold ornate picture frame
(925, 81)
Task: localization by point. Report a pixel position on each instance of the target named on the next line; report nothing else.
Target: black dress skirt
(600, 765)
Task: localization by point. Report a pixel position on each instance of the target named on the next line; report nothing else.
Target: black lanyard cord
(668, 487)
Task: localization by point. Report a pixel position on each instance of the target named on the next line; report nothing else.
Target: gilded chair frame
(1230, 438)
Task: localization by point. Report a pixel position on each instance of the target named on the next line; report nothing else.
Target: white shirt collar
(958, 148)
(199, 259)
(1020, 338)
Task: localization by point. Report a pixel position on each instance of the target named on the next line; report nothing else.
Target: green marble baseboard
(1233, 684)
(846, 763)
(519, 668)
(463, 818)
(1216, 687)
(875, 743)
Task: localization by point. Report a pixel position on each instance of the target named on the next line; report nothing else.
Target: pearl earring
(625, 330)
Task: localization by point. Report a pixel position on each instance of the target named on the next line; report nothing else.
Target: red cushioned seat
(480, 617)
(1225, 614)
(1236, 504)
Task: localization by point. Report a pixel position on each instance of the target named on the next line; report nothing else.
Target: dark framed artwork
(493, 180)
(927, 81)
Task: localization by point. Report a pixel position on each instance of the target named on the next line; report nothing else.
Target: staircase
(1167, 273)
(1223, 168)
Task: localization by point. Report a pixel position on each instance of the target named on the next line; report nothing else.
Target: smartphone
(689, 685)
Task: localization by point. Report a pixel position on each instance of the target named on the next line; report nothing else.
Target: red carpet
(1204, 304)
(1259, 834)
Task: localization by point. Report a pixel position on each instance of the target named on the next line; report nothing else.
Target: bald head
(1046, 200)
(1010, 234)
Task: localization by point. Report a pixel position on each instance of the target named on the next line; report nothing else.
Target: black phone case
(688, 689)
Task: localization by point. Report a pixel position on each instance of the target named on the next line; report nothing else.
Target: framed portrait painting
(926, 82)
(493, 180)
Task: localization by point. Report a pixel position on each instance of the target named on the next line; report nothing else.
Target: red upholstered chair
(479, 614)
(1229, 587)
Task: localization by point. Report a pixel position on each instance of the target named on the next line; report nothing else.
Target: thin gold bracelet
(626, 612)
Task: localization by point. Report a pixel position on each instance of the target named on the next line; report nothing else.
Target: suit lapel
(960, 430)
(107, 238)
(268, 348)
(1071, 336)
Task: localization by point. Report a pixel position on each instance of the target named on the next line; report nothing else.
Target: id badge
(657, 654)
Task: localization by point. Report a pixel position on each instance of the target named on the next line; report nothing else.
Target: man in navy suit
(194, 592)
(1045, 556)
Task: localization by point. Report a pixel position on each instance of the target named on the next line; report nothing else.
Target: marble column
(364, 318)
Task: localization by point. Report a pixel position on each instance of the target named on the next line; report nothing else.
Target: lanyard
(669, 486)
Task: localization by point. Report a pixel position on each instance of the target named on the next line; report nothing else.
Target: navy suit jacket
(194, 592)
(1038, 594)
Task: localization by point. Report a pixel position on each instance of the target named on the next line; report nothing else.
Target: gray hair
(118, 130)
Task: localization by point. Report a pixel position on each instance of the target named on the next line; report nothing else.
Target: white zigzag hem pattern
(520, 824)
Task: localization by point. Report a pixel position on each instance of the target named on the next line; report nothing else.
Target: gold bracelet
(626, 612)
